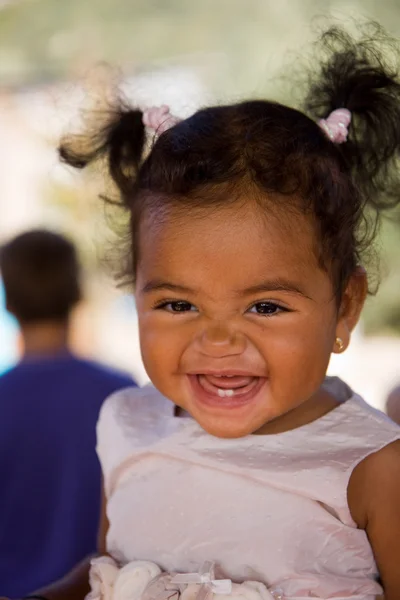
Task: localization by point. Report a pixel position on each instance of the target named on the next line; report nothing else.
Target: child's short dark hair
(40, 272)
(222, 152)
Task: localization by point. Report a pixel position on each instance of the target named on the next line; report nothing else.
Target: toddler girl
(249, 224)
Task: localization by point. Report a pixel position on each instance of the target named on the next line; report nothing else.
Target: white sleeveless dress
(270, 508)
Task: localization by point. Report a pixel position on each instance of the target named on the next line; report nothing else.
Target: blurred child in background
(49, 405)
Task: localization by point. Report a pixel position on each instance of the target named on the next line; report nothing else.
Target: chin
(222, 428)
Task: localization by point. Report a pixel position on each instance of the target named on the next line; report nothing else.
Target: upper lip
(225, 373)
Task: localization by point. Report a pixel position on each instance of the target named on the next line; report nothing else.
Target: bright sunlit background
(55, 57)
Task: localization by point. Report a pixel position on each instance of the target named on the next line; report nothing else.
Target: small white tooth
(223, 393)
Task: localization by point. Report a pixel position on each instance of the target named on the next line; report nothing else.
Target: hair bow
(336, 125)
(159, 118)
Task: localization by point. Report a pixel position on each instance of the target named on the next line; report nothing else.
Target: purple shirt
(49, 472)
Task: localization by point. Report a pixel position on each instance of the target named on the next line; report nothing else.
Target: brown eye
(266, 308)
(176, 306)
(180, 306)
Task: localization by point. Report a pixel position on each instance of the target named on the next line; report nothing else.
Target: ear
(351, 305)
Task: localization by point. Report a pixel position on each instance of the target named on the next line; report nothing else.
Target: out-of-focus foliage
(46, 39)
(382, 312)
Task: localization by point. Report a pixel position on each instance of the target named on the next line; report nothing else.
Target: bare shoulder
(378, 473)
(374, 500)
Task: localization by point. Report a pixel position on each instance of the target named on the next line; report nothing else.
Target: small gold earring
(339, 343)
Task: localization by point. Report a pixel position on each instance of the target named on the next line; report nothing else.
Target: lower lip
(226, 402)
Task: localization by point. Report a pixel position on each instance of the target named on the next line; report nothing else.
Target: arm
(374, 501)
(75, 585)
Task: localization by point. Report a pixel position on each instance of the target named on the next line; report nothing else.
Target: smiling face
(237, 320)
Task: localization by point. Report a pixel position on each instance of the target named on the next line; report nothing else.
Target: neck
(44, 338)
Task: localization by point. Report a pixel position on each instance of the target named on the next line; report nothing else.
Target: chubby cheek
(298, 358)
(161, 349)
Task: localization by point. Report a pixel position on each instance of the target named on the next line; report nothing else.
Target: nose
(218, 339)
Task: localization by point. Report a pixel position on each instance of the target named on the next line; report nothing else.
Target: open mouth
(227, 385)
(226, 390)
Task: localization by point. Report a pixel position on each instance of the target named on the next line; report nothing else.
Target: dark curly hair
(282, 152)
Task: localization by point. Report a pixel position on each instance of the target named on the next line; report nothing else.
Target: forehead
(240, 242)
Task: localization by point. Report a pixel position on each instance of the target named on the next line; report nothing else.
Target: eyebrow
(156, 285)
(273, 285)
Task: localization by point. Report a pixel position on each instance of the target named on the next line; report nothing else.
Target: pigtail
(362, 76)
(120, 140)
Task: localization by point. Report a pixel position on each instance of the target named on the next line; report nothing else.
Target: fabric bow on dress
(142, 580)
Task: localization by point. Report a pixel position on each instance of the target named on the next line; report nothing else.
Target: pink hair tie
(159, 118)
(336, 125)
